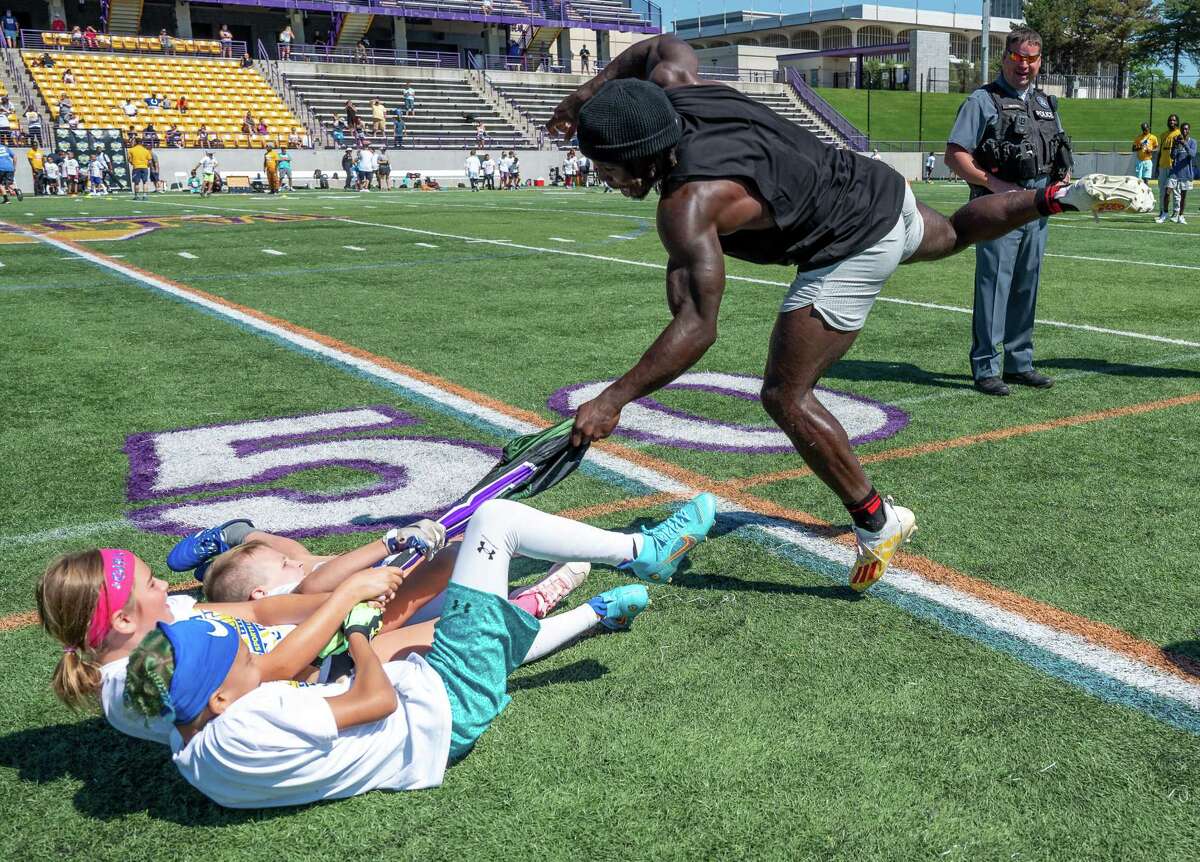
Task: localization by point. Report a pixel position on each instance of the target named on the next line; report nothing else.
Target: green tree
(1069, 35)
(1118, 25)
(1175, 36)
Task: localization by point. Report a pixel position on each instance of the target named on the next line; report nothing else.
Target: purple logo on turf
(651, 421)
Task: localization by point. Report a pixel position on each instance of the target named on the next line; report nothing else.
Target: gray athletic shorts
(843, 292)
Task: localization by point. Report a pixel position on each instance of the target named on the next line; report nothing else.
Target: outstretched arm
(371, 696)
(687, 224)
(666, 60)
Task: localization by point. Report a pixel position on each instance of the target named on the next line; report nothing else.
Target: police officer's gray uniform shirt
(1006, 269)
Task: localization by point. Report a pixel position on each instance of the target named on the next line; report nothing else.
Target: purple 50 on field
(417, 476)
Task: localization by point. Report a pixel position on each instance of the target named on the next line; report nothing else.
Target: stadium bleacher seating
(538, 99)
(604, 11)
(143, 44)
(218, 92)
(446, 113)
(509, 8)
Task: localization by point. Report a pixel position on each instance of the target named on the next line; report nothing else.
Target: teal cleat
(617, 607)
(664, 546)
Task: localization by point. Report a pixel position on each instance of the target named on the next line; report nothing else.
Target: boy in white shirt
(71, 174)
(50, 174)
(473, 168)
(398, 725)
(96, 173)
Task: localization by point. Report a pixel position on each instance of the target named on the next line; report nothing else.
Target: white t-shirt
(96, 168)
(569, 166)
(504, 163)
(51, 169)
(71, 167)
(208, 165)
(259, 639)
(279, 744)
(130, 109)
(929, 162)
(472, 166)
(489, 167)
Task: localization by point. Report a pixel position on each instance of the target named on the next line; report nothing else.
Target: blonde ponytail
(67, 595)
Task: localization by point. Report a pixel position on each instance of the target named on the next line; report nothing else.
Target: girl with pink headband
(100, 603)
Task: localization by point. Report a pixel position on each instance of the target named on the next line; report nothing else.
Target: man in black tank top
(736, 179)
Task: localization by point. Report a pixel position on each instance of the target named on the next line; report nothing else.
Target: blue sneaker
(664, 546)
(194, 551)
(617, 607)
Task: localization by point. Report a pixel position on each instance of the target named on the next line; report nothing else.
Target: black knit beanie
(627, 120)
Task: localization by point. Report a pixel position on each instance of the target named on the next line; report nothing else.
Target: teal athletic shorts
(480, 640)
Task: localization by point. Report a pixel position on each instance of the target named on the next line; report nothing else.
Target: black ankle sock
(868, 513)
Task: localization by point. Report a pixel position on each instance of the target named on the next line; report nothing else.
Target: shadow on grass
(1118, 369)
(120, 776)
(583, 670)
(900, 372)
(1185, 655)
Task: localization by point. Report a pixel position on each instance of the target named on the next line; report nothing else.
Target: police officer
(1008, 136)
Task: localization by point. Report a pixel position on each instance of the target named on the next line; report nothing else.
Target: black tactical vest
(1025, 142)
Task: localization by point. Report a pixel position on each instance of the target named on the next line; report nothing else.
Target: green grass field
(1022, 686)
(901, 116)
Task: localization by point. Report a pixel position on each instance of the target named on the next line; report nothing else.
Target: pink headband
(114, 593)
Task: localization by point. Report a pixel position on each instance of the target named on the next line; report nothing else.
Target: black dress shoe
(1029, 378)
(991, 386)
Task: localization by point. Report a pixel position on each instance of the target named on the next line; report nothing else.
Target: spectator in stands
(261, 128)
(12, 29)
(76, 38)
(362, 51)
(46, 61)
(474, 169)
(569, 169)
(348, 168)
(1183, 171)
(131, 136)
(352, 119)
(410, 100)
(284, 166)
(486, 7)
(91, 37)
(166, 42)
(585, 59)
(129, 108)
(378, 118)
(153, 101)
(37, 162)
(181, 104)
(226, 39)
(247, 63)
(383, 171)
(360, 139)
(33, 123)
(285, 42)
(488, 166)
(150, 135)
(514, 50)
(293, 139)
(1166, 143)
(249, 126)
(271, 166)
(64, 108)
(174, 137)
(480, 134)
(338, 132)
(68, 77)
(73, 122)
(202, 135)
(58, 25)
(398, 128)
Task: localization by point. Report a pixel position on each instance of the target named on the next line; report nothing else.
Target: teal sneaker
(617, 607)
(664, 546)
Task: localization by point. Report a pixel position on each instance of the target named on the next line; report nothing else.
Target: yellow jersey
(1144, 146)
(271, 159)
(1164, 155)
(36, 160)
(139, 157)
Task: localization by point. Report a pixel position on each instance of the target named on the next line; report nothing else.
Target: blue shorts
(1145, 169)
(480, 640)
(141, 175)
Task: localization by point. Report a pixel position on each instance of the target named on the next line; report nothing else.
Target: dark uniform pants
(1006, 285)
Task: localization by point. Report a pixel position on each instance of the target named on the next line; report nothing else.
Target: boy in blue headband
(395, 725)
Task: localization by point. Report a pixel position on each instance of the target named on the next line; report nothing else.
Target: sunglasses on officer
(1017, 57)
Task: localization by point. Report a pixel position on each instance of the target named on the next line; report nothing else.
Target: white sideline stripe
(1, 264)
(425, 244)
(1122, 260)
(59, 534)
(274, 252)
(188, 255)
(353, 248)
(1084, 327)
(560, 239)
(620, 236)
(1074, 648)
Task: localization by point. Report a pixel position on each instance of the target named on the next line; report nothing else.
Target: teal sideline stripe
(1103, 687)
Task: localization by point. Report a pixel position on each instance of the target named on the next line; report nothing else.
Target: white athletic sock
(503, 528)
(560, 629)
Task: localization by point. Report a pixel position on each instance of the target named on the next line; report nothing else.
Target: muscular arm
(666, 60)
(689, 221)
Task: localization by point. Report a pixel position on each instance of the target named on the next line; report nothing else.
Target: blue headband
(204, 652)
